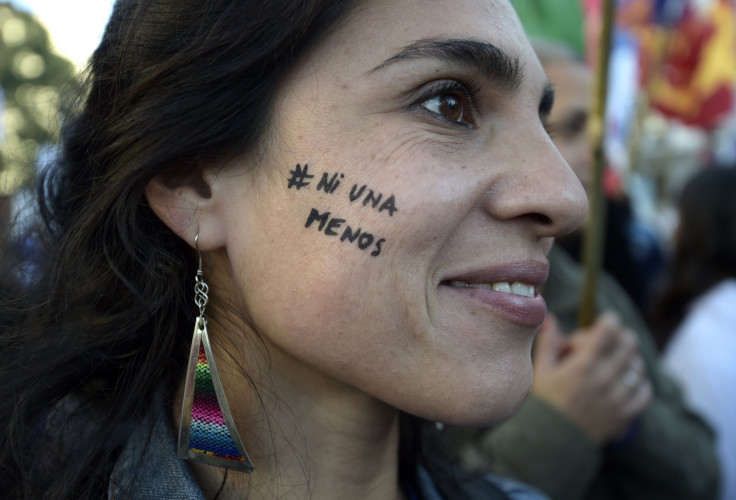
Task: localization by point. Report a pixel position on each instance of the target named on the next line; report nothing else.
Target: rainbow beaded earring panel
(207, 433)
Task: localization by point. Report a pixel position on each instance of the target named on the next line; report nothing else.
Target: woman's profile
(348, 203)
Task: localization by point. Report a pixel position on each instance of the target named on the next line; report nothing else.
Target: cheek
(343, 236)
(342, 317)
(319, 298)
(356, 207)
(314, 268)
(333, 271)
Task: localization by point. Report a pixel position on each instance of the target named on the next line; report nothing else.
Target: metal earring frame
(200, 339)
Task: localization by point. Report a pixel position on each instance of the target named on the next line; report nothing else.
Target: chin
(487, 405)
(515, 403)
(505, 409)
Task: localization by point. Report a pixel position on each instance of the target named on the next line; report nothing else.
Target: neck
(307, 435)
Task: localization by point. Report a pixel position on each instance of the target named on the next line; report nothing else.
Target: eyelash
(469, 93)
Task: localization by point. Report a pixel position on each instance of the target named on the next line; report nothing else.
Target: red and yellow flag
(695, 82)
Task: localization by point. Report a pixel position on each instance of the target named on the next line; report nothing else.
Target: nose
(539, 187)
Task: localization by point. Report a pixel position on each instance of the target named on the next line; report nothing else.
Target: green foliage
(31, 78)
(559, 20)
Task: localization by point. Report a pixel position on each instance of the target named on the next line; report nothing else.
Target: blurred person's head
(572, 81)
(705, 243)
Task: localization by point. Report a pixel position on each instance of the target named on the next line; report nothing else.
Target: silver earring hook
(200, 287)
(199, 255)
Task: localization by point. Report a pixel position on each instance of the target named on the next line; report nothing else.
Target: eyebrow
(495, 64)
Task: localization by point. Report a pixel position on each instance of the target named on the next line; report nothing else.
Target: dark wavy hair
(172, 83)
(705, 247)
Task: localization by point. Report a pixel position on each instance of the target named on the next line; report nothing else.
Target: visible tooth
(522, 289)
(516, 288)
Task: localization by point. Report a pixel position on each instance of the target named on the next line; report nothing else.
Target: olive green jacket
(668, 454)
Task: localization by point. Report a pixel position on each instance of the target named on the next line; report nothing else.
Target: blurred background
(670, 108)
(44, 45)
(670, 100)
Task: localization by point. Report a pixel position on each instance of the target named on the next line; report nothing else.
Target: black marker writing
(329, 184)
(364, 240)
(329, 226)
(335, 226)
(373, 198)
(379, 244)
(315, 215)
(299, 177)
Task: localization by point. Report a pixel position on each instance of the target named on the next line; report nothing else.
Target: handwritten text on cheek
(331, 225)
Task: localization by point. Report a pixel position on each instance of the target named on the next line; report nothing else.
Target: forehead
(451, 17)
(377, 29)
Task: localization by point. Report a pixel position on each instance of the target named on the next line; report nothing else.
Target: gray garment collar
(149, 469)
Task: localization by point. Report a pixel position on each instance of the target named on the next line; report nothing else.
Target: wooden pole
(593, 240)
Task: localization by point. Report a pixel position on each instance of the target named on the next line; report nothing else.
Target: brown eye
(450, 101)
(449, 106)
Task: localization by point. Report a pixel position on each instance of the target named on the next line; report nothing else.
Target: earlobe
(185, 203)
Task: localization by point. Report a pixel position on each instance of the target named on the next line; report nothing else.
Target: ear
(183, 199)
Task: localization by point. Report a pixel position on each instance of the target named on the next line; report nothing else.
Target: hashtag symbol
(299, 177)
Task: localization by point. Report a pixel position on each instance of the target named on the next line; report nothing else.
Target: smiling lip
(511, 290)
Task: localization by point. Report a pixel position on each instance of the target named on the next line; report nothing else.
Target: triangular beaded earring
(207, 433)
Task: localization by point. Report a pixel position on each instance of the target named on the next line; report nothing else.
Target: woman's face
(391, 241)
